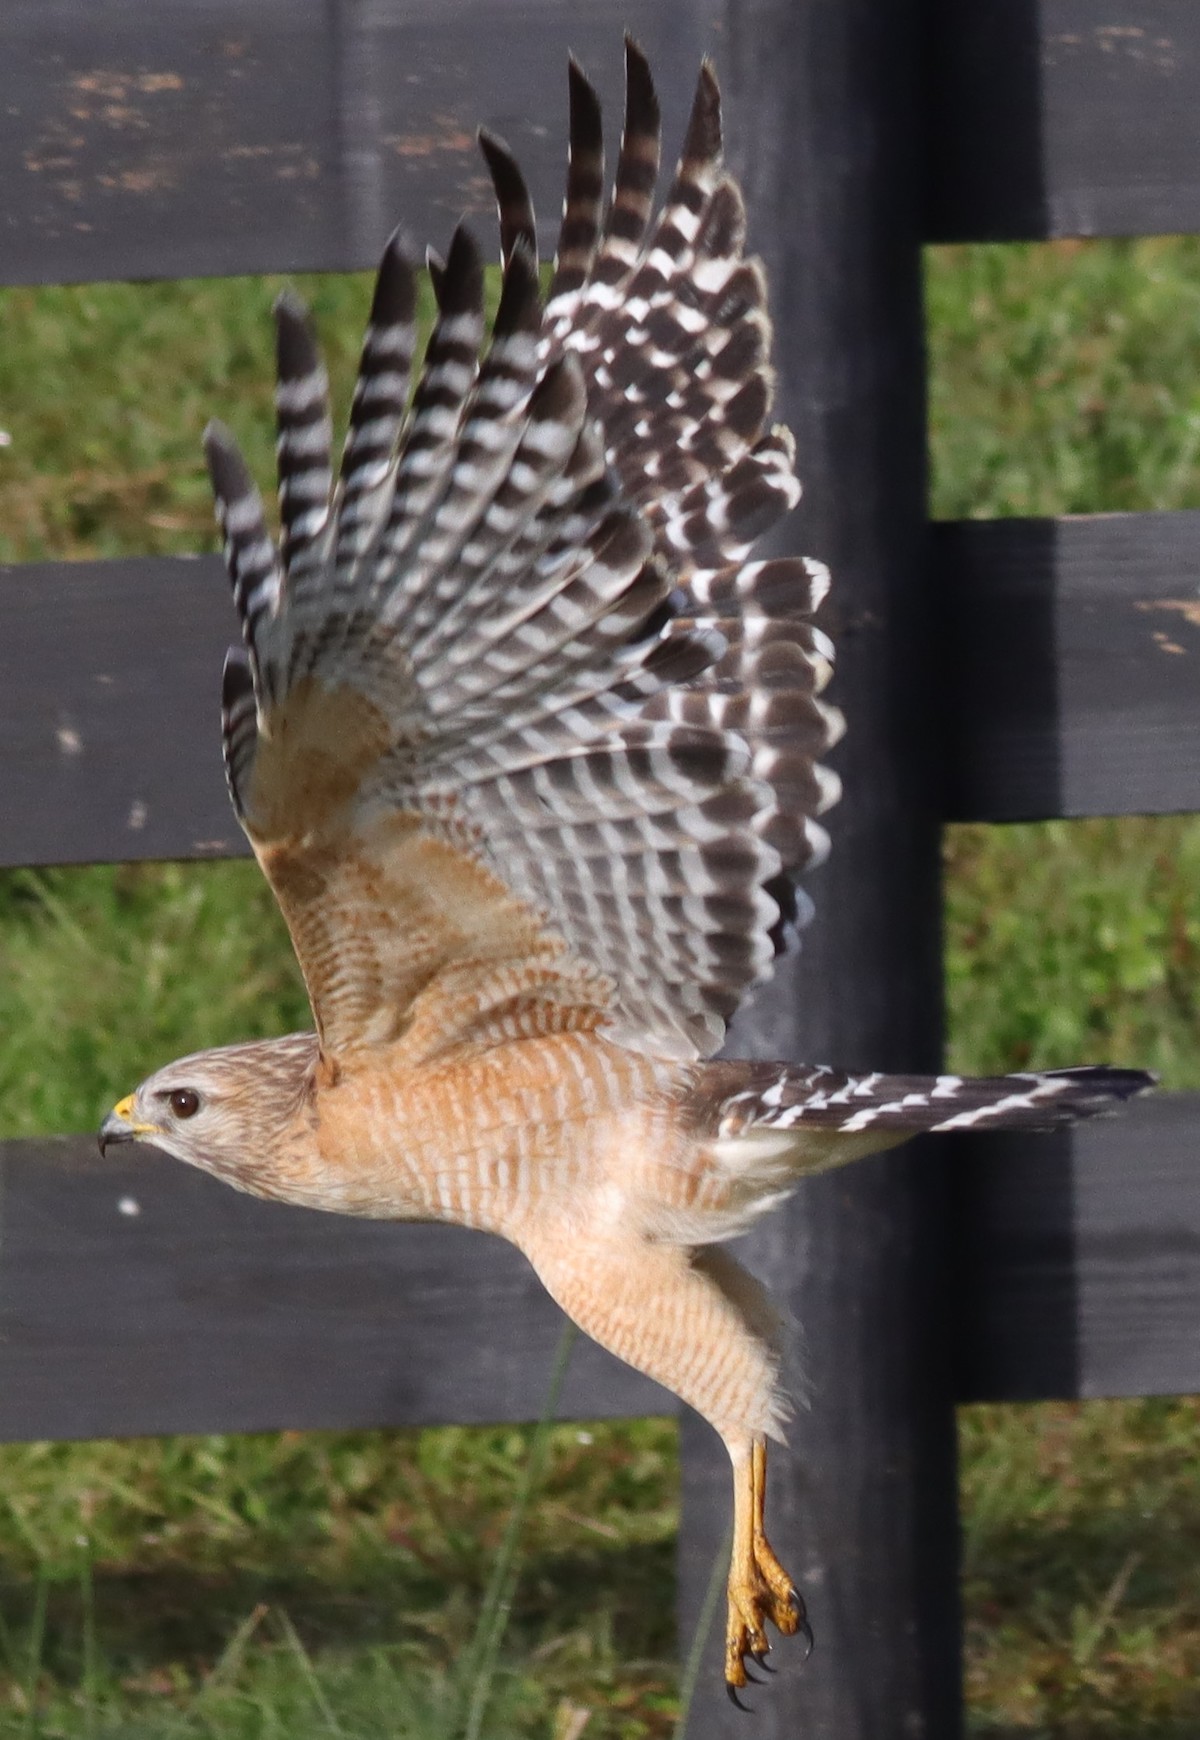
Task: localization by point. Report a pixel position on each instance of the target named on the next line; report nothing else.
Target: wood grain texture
(292, 135)
(1062, 118)
(823, 110)
(137, 1296)
(1079, 1258)
(206, 140)
(110, 683)
(1071, 659)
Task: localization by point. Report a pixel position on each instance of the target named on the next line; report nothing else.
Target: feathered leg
(699, 1324)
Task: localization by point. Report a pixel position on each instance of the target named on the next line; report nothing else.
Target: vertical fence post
(824, 128)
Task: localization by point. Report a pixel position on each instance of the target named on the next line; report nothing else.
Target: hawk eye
(185, 1102)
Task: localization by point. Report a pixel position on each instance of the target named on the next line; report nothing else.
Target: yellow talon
(759, 1588)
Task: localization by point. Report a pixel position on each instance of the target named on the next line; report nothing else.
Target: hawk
(529, 750)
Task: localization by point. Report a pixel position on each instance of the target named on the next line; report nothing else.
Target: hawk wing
(519, 737)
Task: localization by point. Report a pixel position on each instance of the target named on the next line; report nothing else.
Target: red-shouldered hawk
(528, 750)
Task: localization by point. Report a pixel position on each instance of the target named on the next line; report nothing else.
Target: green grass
(1081, 1548)
(376, 1547)
(107, 972)
(1075, 942)
(1065, 378)
(326, 1583)
(105, 391)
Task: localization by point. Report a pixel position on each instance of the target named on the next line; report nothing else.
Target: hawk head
(221, 1109)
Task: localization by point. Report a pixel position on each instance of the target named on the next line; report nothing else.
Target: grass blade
(484, 1650)
(33, 1668)
(230, 1658)
(292, 1639)
(90, 1665)
(695, 1656)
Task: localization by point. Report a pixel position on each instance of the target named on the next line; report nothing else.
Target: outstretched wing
(519, 737)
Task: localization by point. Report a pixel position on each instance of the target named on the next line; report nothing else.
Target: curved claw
(753, 1679)
(736, 1701)
(805, 1630)
(759, 1591)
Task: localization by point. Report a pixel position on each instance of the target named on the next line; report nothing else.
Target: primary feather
(524, 620)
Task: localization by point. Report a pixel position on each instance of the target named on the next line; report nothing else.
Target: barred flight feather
(534, 580)
(579, 231)
(517, 225)
(239, 723)
(377, 408)
(637, 172)
(304, 434)
(447, 376)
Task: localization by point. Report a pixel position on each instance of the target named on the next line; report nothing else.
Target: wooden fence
(1018, 669)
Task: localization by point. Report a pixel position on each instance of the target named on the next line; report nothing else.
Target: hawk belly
(494, 1138)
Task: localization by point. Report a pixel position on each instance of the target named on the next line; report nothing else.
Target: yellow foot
(759, 1587)
(760, 1592)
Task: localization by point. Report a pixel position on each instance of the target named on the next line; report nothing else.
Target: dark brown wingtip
(237, 682)
(1101, 1086)
(586, 127)
(395, 297)
(227, 470)
(517, 223)
(459, 290)
(638, 163)
(296, 350)
(642, 110)
(703, 141)
(580, 227)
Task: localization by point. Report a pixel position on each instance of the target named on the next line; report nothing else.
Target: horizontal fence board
(1080, 1258)
(137, 1296)
(209, 137)
(1062, 118)
(1070, 659)
(202, 137)
(110, 682)
(1072, 662)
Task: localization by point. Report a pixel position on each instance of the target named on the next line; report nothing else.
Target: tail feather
(741, 1097)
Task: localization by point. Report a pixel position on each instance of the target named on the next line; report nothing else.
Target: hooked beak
(119, 1126)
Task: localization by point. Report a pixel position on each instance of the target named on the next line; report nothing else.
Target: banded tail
(743, 1097)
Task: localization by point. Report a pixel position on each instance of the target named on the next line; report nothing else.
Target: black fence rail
(1060, 658)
